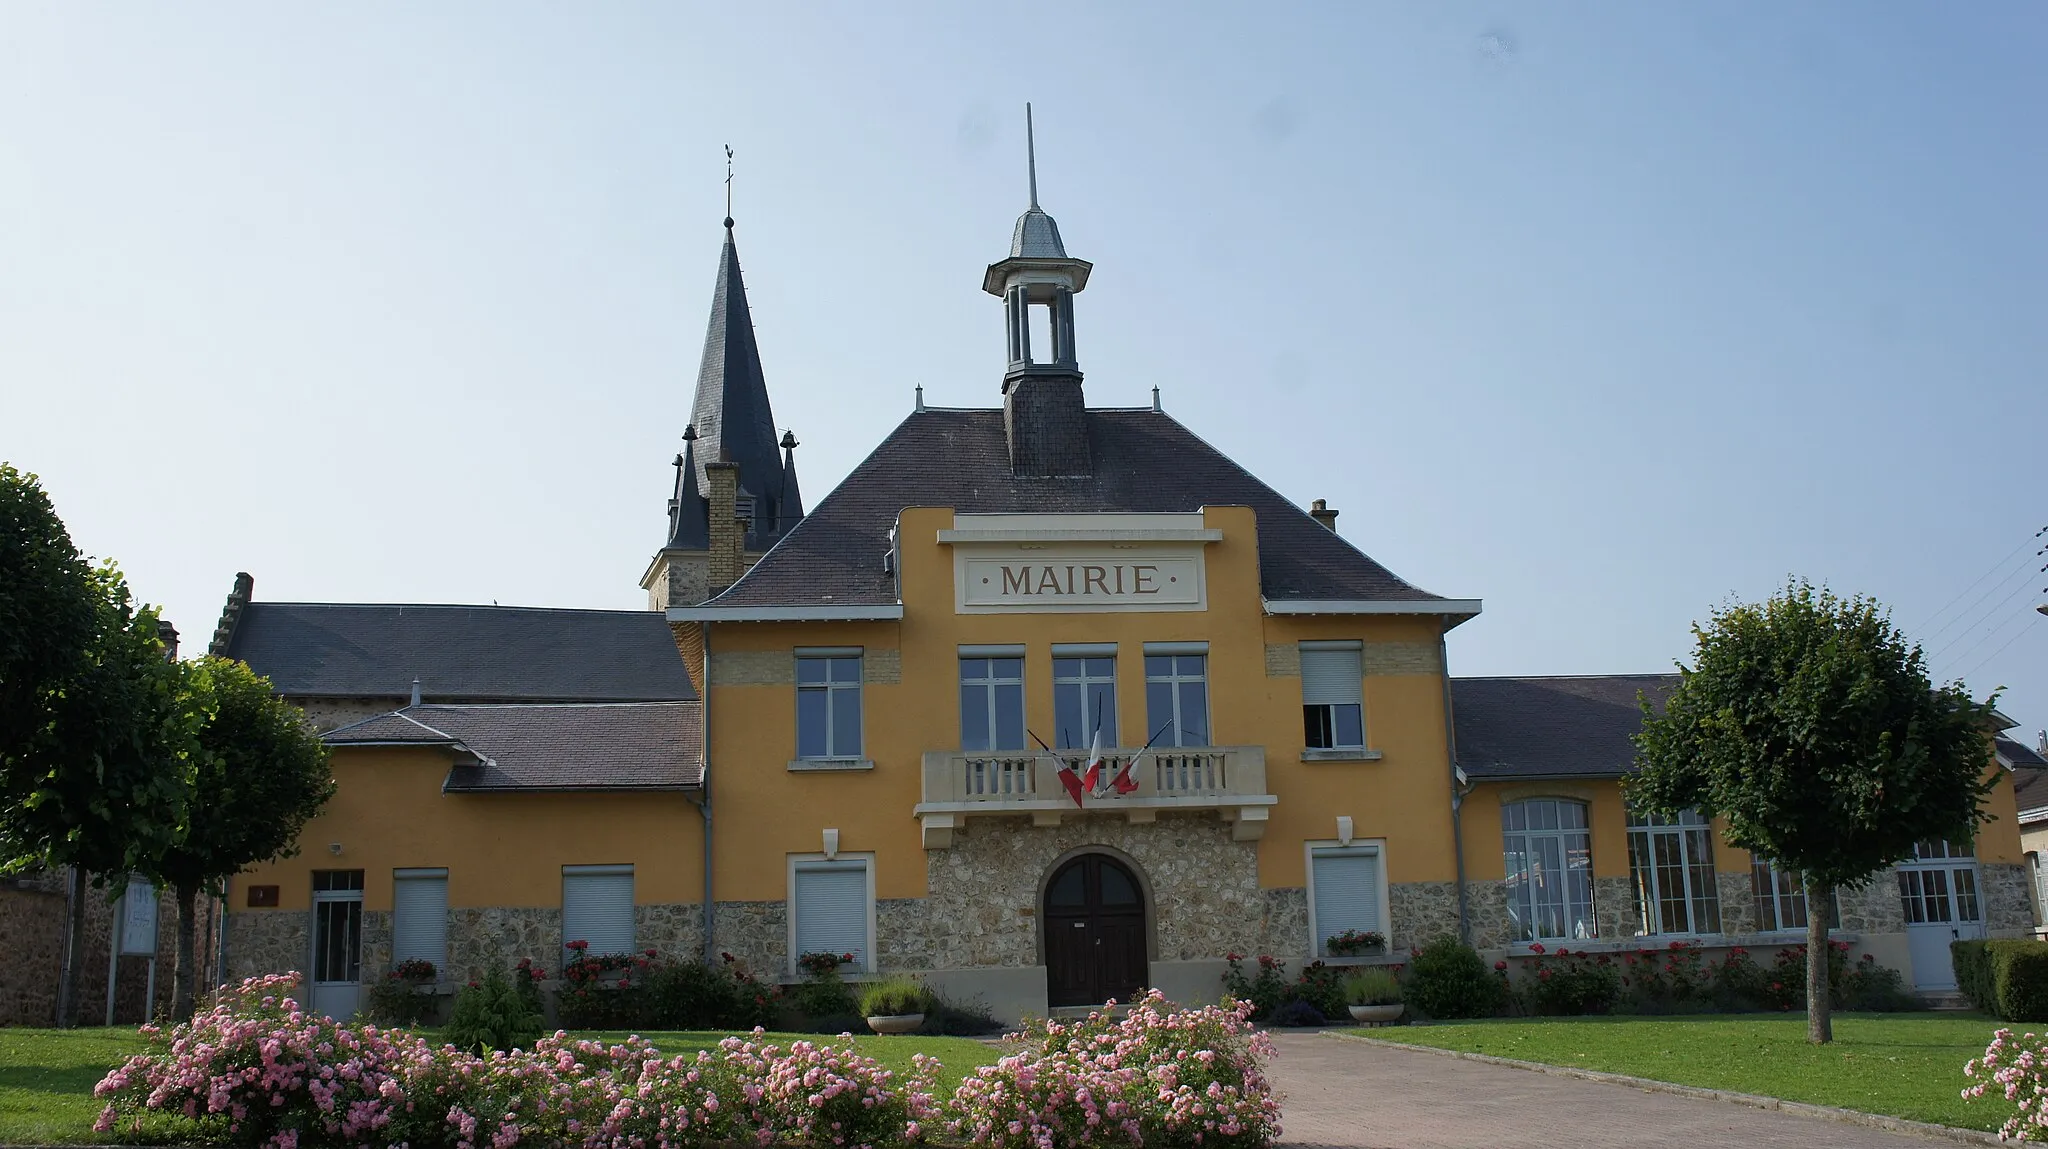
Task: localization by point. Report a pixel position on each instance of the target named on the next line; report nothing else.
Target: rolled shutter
(419, 927)
(832, 910)
(1347, 892)
(598, 908)
(1331, 677)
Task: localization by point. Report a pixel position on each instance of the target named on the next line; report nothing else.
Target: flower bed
(258, 1070)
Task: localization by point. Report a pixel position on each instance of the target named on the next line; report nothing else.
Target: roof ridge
(1560, 677)
(551, 705)
(462, 606)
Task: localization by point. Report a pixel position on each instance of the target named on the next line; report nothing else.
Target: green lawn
(47, 1075)
(1899, 1065)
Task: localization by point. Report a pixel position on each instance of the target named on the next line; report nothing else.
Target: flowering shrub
(1315, 996)
(1563, 982)
(1265, 990)
(822, 964)
(2012, 1067)
(601, 991)
(1447, 978)
(404, 996)
(258, 1070)
(1154, 1077)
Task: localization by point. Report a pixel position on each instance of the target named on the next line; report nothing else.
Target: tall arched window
(1549, 859)
(1671, 865)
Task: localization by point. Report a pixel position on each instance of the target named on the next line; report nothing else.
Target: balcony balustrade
(958, 785)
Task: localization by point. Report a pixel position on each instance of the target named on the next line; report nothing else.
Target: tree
(47, 612)
(1809, 724)
(260, 773)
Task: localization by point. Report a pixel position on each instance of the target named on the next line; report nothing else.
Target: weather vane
(728, 185)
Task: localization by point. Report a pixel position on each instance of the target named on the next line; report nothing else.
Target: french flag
(1093, 776)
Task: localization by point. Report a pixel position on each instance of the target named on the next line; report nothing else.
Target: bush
(493, 1014)
(404, 996)
(894, 997)
(603, 991)
(1372, 987)
(944, 1017)
(1296, 1014)
(1448, 978)
(1567, 984)
(1155, 1077)
(822, 999)
(2006, 978)
(688, 994)
(1265, 990)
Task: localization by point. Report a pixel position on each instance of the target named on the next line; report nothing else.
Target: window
(991, 703)
(1345, 887)
(1083, 696)
(1549, 859)
(1177, 692)
(597, 908)
(337, 926)
(828, 704)
(832, 903)
(419, 916)
(1671, 864)
(1781, 897)
(1332, 697)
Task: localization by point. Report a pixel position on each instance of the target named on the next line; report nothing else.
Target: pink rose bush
(1154, 1077)
(2012, 1067)
(258, 1070)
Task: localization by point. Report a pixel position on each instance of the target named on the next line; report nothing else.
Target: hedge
(2007, 979)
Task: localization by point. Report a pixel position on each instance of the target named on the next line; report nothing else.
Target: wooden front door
(1094, 933)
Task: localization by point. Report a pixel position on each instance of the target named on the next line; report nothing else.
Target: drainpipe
(704, 800)
(1443, 652)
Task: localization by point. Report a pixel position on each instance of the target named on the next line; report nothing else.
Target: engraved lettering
(1070, 581)
(1119, 578)
(1048, 577)
(1017, 581)
(1095, 578)
(1143, 577)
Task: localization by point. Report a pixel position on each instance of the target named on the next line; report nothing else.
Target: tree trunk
(188, 927)
(1819, 1026)
(74, 950)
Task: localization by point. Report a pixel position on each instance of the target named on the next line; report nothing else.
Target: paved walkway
(1353, 1095)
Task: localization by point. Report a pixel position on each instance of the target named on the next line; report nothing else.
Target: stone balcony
(958, 785)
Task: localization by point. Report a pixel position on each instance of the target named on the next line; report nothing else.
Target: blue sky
(1601, 313)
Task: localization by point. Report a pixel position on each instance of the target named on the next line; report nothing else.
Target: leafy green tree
(47, 610)
(260, 773)
(1809, 724)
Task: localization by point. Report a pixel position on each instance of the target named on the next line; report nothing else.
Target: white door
(1938, 891)
(337, 981)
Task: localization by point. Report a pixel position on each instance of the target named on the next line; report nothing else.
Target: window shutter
(1347, 892)
(598, 908)
(832, 910)
(419, 926)
(1331, 677)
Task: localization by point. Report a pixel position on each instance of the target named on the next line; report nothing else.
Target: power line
(1992, 616)
(1973, 585)
(1988, 659)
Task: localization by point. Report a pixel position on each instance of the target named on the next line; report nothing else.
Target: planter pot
(896, 1022)
(1376, 1014)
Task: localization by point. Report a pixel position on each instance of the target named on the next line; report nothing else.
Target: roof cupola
(1043, 407)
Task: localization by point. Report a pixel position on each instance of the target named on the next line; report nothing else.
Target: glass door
(337, 982)
(1938, 893)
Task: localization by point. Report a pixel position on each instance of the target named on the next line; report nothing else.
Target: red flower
(1544, 974)
(649, 953)
(1563, 952)
(1869, 957)
(1233, 957)
(579, 945)
(1536, 947)
(1775, 986)
(1500, 966)
(848, 958)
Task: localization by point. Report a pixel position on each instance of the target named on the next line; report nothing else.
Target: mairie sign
(1023, 580)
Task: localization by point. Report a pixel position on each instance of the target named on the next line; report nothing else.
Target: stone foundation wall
(268, 941)
(2008, 899)
(757, 933)
(32, 921)
(483, 938)
(675, 929)
(1738, 901)
(1871, 908)
(34, 926)
(1420, 912)
(1615, 913)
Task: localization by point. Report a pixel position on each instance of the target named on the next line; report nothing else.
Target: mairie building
(867, 727)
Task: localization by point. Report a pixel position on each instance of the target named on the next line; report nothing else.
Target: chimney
(168, 635)
(1320, 511)
(728, 533)
(1047, 423)
(224, 634)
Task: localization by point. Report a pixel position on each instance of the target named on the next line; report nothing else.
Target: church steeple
(733, 419)
(1043, 406)
(689, 528)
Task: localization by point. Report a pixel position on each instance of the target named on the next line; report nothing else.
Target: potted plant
(1354, 943)
(894, 1004)
(1373, 996)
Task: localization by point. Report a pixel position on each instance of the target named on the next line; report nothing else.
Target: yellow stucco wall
(388, 813)
(1403, 798)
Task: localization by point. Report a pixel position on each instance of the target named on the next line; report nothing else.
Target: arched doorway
(1094, 917)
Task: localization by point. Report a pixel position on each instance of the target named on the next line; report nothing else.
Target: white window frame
(399, 877)
(1695, 837)
(1781, 900)
(1527, 925)
(842, 860)
(1309, 850)
(987, 688)
(1175, 739)
(836, 695)
(1082, 682)
(1353, 692)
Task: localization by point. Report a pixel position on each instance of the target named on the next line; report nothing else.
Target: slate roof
(470, 653)
(2029, 790)
(731, 413)
(2020, 754)
(561, 746)
(1145, 461)
(1575, 727)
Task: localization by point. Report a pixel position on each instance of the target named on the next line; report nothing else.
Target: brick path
(1353, 1095)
